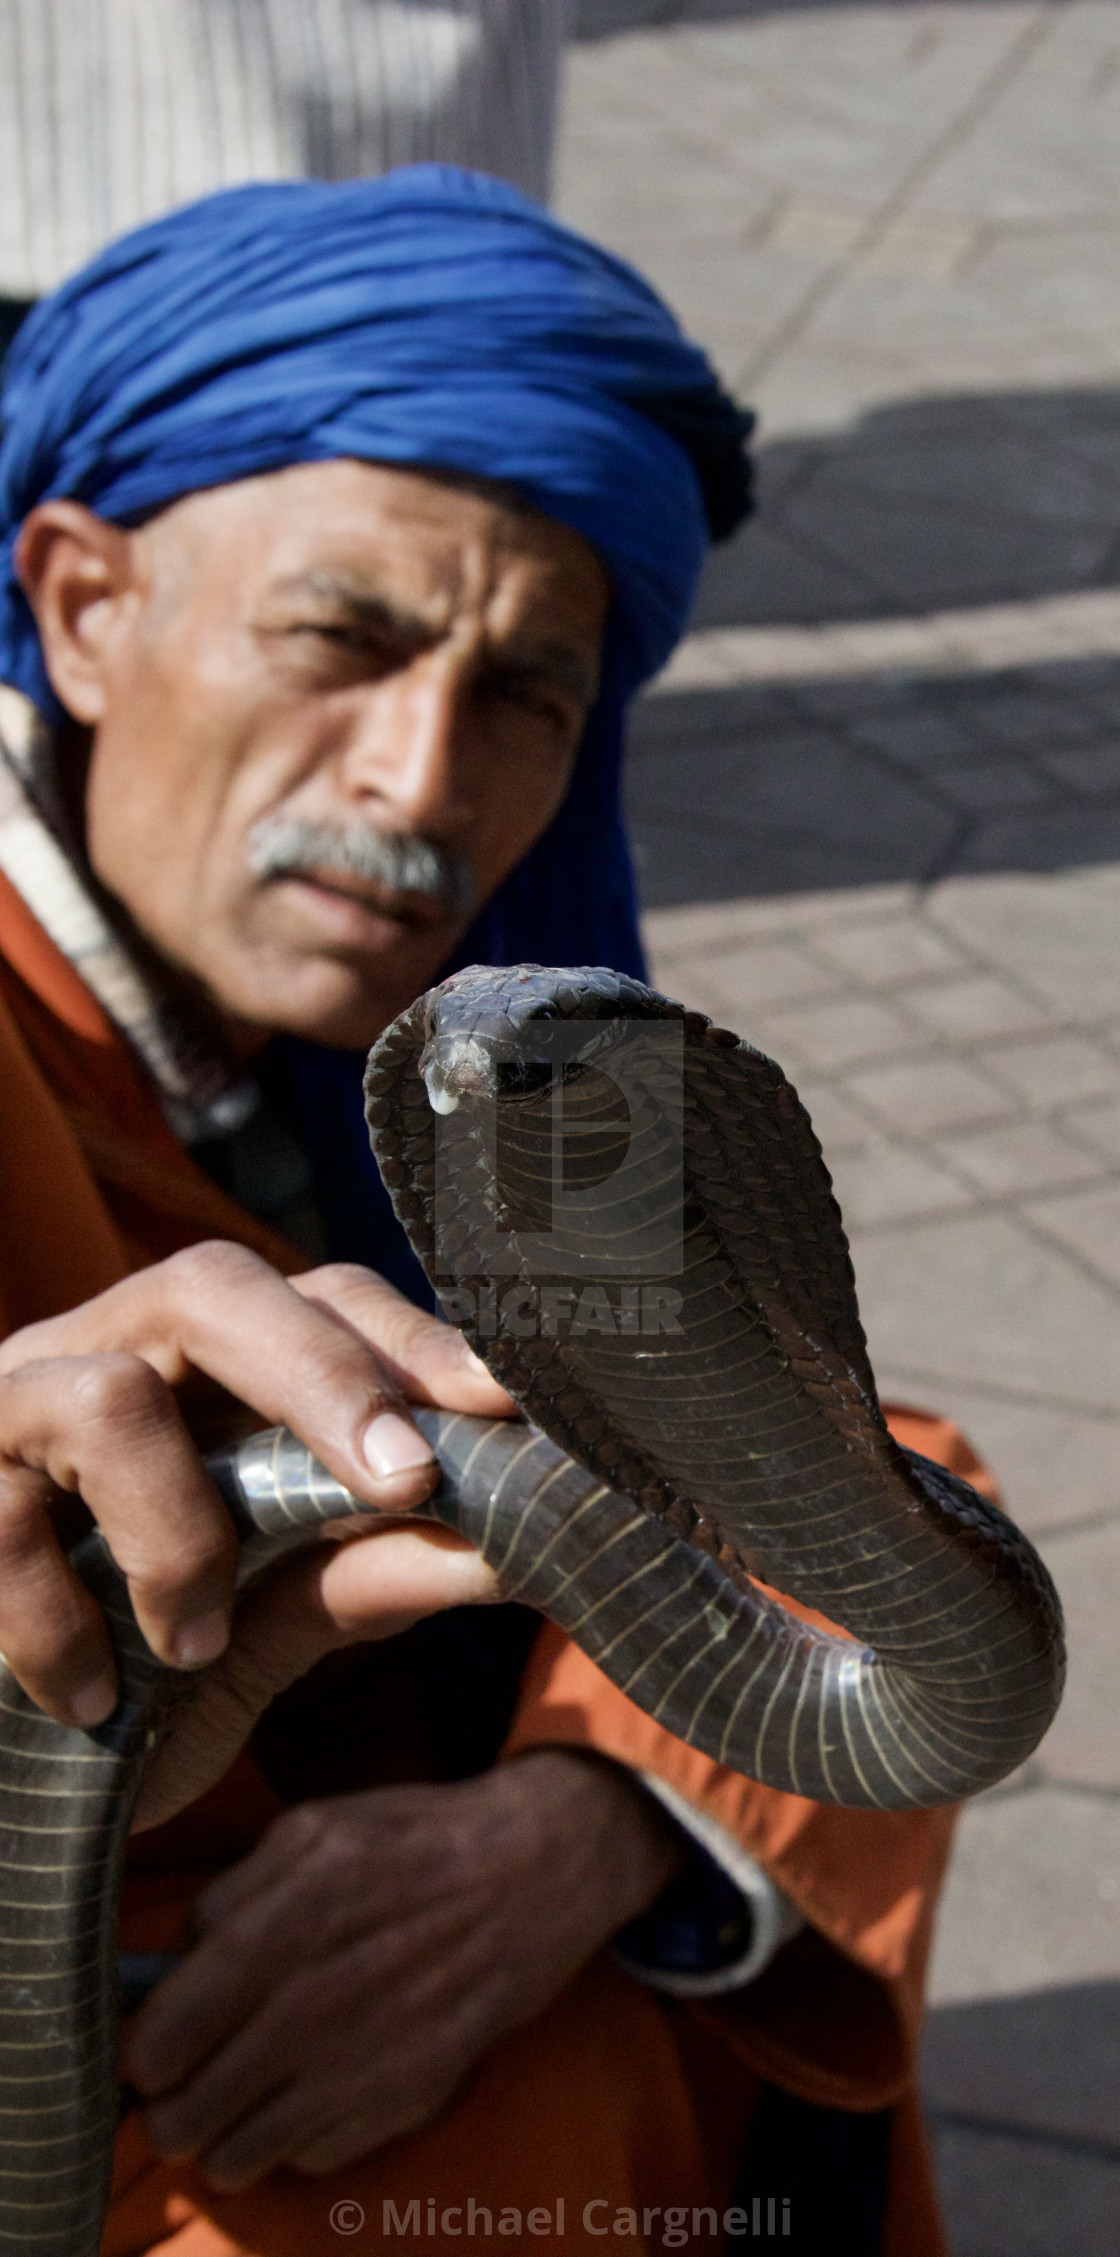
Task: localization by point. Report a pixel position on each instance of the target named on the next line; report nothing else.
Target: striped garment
(113, 111)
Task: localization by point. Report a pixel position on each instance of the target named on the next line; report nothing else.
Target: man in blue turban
(338, 525)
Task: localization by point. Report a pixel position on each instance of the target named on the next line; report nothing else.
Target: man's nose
(412, 748)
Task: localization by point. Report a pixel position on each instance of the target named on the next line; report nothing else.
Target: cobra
(627, 1211)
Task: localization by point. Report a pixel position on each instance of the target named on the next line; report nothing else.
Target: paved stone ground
(895, 227)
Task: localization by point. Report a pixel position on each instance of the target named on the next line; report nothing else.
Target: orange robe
(616, 2104)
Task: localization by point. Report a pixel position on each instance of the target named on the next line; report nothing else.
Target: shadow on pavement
(923, 505)
(1045, 2066)
(928, 504)
(605, 19)
(875, 781)
(1024, 2101)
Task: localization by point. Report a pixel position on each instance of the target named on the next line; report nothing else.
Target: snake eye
(523, 1077)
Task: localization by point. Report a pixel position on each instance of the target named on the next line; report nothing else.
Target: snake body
(626, 1210)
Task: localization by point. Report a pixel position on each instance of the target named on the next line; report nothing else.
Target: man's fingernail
(391, 1445)
(203, 1640)
(93, 1702)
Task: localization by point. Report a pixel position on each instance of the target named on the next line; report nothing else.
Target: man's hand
(333, 1595)
(372, 1948)
(102, 1402)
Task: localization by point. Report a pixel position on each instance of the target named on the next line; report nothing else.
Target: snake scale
(626, 1210)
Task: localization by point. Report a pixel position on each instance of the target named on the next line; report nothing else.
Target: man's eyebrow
(362, 605)
(557, 663)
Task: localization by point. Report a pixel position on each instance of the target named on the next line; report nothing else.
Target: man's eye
(331, 631)
(376, 651)
(530, 693)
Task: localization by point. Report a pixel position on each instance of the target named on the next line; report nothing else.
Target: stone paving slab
(925, 1096)
(979, 1008)
(1012, 2197)
(1083, 1745)
(950, 1296)
(944, 178)
(858, 780)
(999, 2060)
(1057, 934)
(886, 840)
(1054, 1849)
(1029, 1155)
(1088, 1222)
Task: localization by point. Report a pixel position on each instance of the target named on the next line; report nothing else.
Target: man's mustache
(288, 846)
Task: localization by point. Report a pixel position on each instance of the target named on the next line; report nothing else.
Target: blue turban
(432, 318)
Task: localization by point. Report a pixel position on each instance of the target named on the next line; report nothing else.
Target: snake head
(501, 1033)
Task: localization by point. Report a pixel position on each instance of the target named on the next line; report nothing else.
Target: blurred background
(877, 800)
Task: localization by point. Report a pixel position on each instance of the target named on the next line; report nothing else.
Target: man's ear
(78, 574)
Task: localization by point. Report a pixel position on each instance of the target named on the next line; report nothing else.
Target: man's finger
(218, 1309)
(286, 2131)
(374, 1586)
(108, 1429)
(428, 1358)
(233, 2139)
(52, 1634)
(193, 2012)
(256, 2095)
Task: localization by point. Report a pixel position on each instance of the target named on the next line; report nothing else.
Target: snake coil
(626, 1210)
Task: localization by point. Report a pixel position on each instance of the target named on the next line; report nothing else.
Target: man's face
(303, 660)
